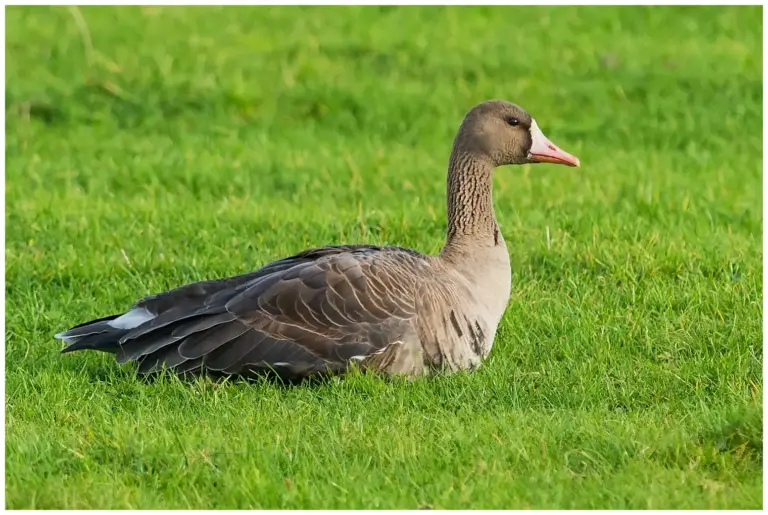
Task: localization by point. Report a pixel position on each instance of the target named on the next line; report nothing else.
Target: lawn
(147, 147)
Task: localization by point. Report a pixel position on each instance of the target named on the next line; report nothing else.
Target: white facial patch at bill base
(538, 140)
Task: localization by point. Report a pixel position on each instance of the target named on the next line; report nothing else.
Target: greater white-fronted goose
(385, 308)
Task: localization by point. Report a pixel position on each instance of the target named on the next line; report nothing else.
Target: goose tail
(103, 334)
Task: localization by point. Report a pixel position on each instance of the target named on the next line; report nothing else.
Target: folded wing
(313, 312)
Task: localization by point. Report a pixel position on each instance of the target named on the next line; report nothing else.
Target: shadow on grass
(109, 373)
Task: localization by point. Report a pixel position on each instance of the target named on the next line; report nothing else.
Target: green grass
(168, 145)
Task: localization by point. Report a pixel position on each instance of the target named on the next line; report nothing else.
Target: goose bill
(544, 151)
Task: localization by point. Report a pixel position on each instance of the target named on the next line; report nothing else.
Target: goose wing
(315, 311)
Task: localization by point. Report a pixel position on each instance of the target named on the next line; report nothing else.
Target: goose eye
(514, 122)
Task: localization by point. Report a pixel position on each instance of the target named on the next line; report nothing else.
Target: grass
(150, 147)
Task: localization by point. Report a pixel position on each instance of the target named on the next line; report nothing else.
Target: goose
(325, 310)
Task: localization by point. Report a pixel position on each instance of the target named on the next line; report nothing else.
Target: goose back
(316, 311)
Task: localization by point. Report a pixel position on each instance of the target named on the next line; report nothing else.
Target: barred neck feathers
(470, 199)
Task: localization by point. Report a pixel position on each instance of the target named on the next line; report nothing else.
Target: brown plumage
(385, 308)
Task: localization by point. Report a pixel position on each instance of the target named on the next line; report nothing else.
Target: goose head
(505, 134)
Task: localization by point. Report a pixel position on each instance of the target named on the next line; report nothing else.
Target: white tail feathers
(133, 318)
(67, 339)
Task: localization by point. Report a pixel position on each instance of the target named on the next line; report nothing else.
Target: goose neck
(471, 218)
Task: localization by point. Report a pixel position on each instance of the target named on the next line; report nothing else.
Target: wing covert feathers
(316, 311)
